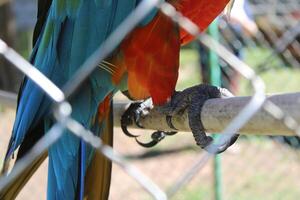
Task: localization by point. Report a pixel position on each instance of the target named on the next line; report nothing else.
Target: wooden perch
(218, 113)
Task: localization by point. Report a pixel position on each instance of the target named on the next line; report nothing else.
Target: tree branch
(218, 113)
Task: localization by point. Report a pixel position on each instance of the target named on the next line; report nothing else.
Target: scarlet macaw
(146, 63)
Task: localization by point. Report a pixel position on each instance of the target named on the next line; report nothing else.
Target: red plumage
(201, 12)
(151, 53)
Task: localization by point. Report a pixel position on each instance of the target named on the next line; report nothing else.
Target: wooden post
(218, 113)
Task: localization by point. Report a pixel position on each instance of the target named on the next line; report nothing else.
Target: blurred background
(263, 33)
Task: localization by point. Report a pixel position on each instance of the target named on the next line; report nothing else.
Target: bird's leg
(193, 99)
(133, 114)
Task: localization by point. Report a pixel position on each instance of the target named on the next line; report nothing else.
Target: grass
(200, 192)
(24, 44)
(189, 71)
(260, 171)
(279, 80)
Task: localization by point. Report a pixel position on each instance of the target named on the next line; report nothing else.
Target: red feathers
(104, 108)
(201, 12)
(151, 53)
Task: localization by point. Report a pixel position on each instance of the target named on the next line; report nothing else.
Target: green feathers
(65, 8)
(70, 7)
(47, 35)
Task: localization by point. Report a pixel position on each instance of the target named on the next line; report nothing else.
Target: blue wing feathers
(72, 32)
(82, 168)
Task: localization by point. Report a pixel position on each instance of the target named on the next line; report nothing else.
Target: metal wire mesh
(195, 166)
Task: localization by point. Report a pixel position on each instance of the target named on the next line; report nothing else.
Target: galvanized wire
(31, 72)
(62, 110)
(58, 96)
(257, 101)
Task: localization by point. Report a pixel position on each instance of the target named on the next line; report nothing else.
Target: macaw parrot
(145, 64)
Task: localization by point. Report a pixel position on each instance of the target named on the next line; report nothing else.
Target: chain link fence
(257, 167)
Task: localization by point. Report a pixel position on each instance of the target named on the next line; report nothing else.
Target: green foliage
(189, 71)
(24, 43)
(200, 192)
(278, 78)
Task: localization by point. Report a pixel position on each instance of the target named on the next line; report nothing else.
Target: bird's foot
(193, 99)
(132, 116)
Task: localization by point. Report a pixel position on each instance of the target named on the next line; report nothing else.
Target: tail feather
(201, 12)
(12, 190)
(98, 175)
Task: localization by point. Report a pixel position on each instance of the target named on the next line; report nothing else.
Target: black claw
(147, 145)
(217, 149)
(206, 143)
(133, 115)
(127, 133)
(170, 133)
(137, 118)
(126, 119)
(169, 122)
(157, 136)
